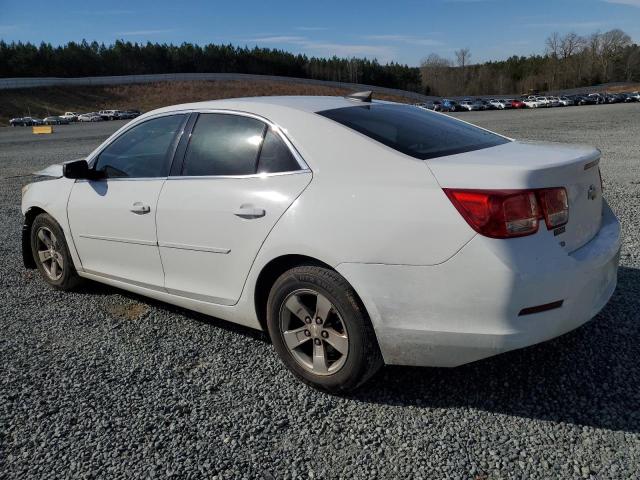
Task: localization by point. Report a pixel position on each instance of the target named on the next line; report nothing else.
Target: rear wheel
(320, 330)
(51, 253)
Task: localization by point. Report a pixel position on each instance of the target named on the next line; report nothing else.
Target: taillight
(555, 206)
(510, 213)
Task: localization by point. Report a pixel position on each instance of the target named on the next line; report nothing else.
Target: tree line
(18, 59)
(569, 61)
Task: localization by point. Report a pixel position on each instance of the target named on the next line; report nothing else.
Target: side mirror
(80, 170)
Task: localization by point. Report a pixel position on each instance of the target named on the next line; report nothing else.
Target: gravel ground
(105, 384)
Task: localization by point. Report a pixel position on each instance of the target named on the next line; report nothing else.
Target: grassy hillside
(40, 102)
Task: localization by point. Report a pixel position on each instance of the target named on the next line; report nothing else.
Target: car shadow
(101, 289)
(588, 377)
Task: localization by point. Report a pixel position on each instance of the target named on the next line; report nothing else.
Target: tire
(315, 292)
(60, 274)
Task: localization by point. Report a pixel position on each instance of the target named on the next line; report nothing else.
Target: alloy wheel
(314, 332)
(49, 253)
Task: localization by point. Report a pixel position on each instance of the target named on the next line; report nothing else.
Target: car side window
(275, 156)
(143, 151)
(223, 144)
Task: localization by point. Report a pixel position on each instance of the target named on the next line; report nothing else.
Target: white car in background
(543, 101)
(355, 232)
(470, 105)
(70, 116)
(90, 117)
(566, 101)
(554, 102)
(531, 102)
(499, 104)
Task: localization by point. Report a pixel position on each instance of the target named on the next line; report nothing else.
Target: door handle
(140, 208)
(248, 211)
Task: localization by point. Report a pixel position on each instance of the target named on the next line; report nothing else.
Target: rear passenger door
(238, 176)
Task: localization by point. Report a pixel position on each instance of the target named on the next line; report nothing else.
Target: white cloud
(143, 32)
(4, 29)
(384, 54)
(404, 39)
(321, 48)
(569, 25)
(632, 3)
(277, 39)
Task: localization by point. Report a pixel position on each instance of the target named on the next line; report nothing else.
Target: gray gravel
(105, 384)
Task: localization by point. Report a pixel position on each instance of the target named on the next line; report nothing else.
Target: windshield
(413, 131)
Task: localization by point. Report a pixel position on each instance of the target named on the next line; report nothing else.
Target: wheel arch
(29, 217)
(270, 273)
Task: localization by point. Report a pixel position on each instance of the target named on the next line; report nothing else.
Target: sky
(394, 30)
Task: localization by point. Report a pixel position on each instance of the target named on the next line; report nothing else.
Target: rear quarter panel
(366, 203)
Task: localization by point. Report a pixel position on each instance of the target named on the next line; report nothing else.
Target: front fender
(49, 196)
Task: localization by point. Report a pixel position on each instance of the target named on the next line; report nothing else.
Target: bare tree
(611, 45)
(434, 70)
(553, 44)
(553, 51)
(571, 44)
(463, 56)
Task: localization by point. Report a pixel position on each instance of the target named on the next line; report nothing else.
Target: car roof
(309, 104)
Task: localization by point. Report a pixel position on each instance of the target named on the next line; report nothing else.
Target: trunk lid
(523, 165)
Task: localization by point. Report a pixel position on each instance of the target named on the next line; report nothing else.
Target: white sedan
(358, 233)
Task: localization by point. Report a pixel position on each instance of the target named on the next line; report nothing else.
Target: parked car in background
(450, 105)
(21, 122)
(434, 105)
(521, 229)
(635, 96)
(554, 101)
(515, 103)
(469, 105)
(129, 114)
(110, 114)
(506, 102)
(597, 98)
(37, 121)
(497, 104)
(71, 116)
(565, 101)
(583, 100)
(90, 117)
(55, 120)
(531, 102)
(542, 101)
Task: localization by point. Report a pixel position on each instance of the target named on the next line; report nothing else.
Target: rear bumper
(468, 308)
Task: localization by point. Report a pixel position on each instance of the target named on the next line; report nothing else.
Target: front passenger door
(112, 220)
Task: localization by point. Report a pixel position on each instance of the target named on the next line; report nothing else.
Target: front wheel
(51, 253)
(320, 329)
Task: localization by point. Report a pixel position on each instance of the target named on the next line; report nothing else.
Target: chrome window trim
(124, 179)
(249, 175)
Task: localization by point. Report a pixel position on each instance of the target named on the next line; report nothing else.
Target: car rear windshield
(414, 131)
